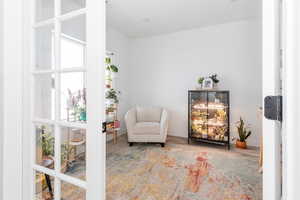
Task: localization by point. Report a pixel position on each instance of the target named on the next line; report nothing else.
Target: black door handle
(273, 107)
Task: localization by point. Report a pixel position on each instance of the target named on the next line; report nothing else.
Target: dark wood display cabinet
(209, 116)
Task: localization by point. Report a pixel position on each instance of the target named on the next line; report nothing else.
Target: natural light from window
(72, 56)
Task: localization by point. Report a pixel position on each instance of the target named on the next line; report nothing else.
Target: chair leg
(130, 144)
(162, 144)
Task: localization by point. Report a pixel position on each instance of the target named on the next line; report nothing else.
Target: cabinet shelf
(209, 116)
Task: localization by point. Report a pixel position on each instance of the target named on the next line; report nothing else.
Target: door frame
(291, 104)
(271, 86)
(12, 15)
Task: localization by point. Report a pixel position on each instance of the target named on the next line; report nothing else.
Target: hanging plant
(107, 60)
(112, 68)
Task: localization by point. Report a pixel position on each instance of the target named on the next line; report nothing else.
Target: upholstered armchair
(147, 124)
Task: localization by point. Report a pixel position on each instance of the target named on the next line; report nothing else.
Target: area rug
(181, 172)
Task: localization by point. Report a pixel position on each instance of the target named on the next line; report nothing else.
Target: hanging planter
(114, 70)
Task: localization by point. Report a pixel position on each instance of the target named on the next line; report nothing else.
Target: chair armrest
(164, 122)
(130, 119)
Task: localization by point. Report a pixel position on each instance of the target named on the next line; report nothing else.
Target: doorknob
(273, 107)
(103, 127)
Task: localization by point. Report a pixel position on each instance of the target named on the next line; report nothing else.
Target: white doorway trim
(292, 99)
(271, 86)
(12, 100)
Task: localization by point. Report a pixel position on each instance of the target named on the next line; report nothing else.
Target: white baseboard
(186, 136)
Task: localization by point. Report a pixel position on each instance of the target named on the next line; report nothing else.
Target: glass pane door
(61, 127)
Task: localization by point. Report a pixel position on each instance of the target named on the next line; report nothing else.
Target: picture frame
(207, 84)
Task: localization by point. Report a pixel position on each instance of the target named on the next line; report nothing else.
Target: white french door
(272, 86)
(67, 103)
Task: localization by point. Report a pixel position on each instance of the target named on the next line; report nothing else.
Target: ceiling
(142, 18)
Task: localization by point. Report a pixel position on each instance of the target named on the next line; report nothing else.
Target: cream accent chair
(147, 124)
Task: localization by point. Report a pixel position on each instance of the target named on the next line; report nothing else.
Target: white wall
(163, 68)
(1, 96)
(118, 43)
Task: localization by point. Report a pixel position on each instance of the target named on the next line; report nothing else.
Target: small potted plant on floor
(244, 133)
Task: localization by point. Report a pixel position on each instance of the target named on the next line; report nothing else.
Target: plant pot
(82, 116)
(215, 86)
(199, 87)
(241, 145)
(114, 75)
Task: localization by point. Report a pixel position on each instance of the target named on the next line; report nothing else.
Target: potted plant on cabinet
(200, 82)
(215, 80)
(244, 133)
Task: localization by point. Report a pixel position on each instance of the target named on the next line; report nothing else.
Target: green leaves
(107, 60)
(47, 142)
(112, 94)
(242, 130)
(112, 68)
(200, 80)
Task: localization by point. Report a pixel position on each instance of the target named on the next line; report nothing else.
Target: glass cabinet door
(218, 110)
(198, 114)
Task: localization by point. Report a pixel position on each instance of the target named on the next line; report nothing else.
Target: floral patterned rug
(182, 172)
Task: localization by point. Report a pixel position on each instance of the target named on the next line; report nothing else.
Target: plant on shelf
(112, 71)
(221, 115)
(113, 68)
(243, 132)
(200, 81)
(46, 141)
(77, 104)
(214, 78)
(112, 94)
(107, 60)
(64, 157)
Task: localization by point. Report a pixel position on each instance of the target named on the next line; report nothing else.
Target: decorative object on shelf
(215, 80)
(46, 143)
(243, 132)
(200, 82)
(112, 97)
(209, 116)
(76, 105)
(111, 69)
(207, 84)
(64, 156)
